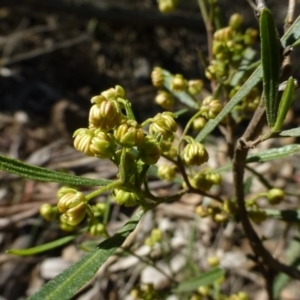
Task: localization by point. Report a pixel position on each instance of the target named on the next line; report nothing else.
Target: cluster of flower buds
(72, 204)
(229, 44)
(210, 107)
(145, 292)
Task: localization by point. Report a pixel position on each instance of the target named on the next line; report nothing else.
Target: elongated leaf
(287, 215)
(65, 285)
(285, 104)
(42, 248)
(184, 97)
(291, 132)
(252, 81)
(271, 61)
(288, 39)
(266, 155)
(42, 174)
(274, 153)
(206, 278)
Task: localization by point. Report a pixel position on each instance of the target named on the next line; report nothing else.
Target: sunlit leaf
(66, 284)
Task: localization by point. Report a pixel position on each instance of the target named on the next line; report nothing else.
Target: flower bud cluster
(155, 237)
(228, 48)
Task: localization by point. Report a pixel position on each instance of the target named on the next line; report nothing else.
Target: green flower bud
(213, 261)
(194, 154)
(220, 217)
(123, 197)
(48, 212)
(203, 290)
(200, 181)
(99, 209)
(210, 107)
(166, 6)
(201, 211)
(114, 93)
(172, 153)
(229, 207)
(215, 178)
(65, 226)
(257, 215)
(149, 150)
(199, 123)
(166, 172)
(65, 190)
(103, 144)
(129, 134)
(165, 100)
(250, 36)
(243, 296)
(105, 115)
(166, 144)
(157, 77)
(83, 139)
(98, 229)
(73, 216)
(224, 34)
(163, 124)
(275, 196)
(178, 83)
(195, 86)
(70, 200)
(235, 21)
(156, 235)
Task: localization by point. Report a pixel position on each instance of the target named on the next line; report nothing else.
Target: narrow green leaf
(288, 39)
(183, 96)
(271, 61)
(42, 248)
(274, 153)
(42, 174)
(285, 104)
(291, 132)
(66, 284)
(287, 215)
(252, 81)
(206, 278)
(271, 154)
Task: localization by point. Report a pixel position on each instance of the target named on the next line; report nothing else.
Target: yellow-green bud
(65, 190)
(157, 77)
(235, 21)
(257, 215)
(123, 197)
(201, 211)
(201, 182)
(149, 242)
(156, 235)
(98, 229)
(129, 134)
(220, 217)
(48, 212)
(229, 206)
(163, 124)
(195, 86)
(215, 178)
(172, 153)
(166, 144)
(195, 154)
(135, 294)
(114, 93)
(75, 215)
(224, 34)
(243, 296)
(275, 196)
(210, 107)
(166, 6)
(165, 99)
(203, 290)
(213, 261)
(105, 114)
(103, 144)
(83, 140)
(250, 36)
(166, 172)
(99, 209)
(178, 83)
(70, 200)
(149, 150)
(65, 226)
(199, 123)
